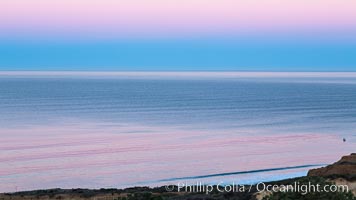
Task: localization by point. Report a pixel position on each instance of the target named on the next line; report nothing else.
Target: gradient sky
(267, 35)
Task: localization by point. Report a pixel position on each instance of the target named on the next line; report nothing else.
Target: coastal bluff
(344, 168)
(343, 172)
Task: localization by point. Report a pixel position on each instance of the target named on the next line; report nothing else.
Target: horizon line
(207, 74)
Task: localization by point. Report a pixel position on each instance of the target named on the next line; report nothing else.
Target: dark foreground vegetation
(160, 193)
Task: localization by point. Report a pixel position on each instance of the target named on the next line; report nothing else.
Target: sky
(174, 35)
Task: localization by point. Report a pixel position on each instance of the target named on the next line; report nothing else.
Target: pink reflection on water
(92, 155)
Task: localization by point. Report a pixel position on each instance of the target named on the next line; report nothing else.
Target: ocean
(85, 131)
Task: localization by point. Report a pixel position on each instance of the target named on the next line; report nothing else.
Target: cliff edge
(344, 168)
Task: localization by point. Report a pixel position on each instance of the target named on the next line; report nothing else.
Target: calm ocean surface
(93, 132)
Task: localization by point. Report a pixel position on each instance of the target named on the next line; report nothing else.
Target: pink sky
(159, 17)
